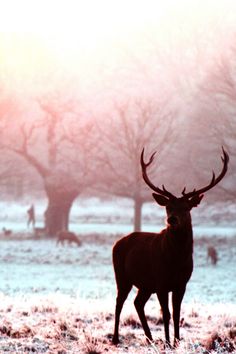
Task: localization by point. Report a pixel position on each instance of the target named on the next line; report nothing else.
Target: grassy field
(62, 324)
(61, 300)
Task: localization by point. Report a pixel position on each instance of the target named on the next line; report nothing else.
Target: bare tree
(54, 143)
(216, 112)
(12, 171)
(129, 127)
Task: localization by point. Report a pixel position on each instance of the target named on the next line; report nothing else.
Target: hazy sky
(37, 34)
(124, 47)
(107, 45)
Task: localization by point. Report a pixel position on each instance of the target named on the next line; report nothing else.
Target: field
(60, 299)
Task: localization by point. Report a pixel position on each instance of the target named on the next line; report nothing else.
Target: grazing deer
(7, 232)
(159, 262)
(212, 255)
(68, 236)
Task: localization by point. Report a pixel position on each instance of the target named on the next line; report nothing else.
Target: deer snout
(173, 220)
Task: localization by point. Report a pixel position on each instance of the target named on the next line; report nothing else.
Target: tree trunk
(138, 203)
(58, 210)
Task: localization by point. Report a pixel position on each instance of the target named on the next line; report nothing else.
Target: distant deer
(159, 262)
(68, 236)
(7, 232)
(212, 255)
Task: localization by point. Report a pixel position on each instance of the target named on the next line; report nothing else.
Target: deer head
(178, 209)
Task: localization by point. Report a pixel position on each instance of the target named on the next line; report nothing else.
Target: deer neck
(181, 237)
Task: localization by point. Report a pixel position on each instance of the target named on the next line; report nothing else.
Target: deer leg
(139, 303)
(121, 297)
(177, 297)
(163, 299)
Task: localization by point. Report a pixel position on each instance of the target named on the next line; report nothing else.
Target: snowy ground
(30, 266)
(56, 299)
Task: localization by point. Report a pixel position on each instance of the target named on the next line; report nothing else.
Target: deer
(159, 263)
(212, 255)
(68, 236)
(6, 232)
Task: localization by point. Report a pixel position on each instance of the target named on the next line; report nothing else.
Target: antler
(156, 189)
(214, 180)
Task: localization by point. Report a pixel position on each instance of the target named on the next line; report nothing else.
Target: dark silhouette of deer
(212, 255)
(159, 262)
(6, 232)
(68, 236)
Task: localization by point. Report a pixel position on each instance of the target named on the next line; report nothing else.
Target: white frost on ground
(30, 266)
(79, 281)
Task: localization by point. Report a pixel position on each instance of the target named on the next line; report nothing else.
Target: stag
(159, 262)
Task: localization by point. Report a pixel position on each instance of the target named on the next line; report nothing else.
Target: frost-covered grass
(63, 324)
(61, 300)
(87, 271)
(56, 299)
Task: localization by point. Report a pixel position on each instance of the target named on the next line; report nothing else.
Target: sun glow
(78, 34)
(79, 22)
(37, 36)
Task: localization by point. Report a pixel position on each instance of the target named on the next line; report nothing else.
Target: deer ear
(160, 199)
(196, 200)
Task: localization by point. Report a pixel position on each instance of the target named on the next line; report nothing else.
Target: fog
(82, 95)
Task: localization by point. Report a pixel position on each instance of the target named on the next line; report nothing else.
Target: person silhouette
(31, 216)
